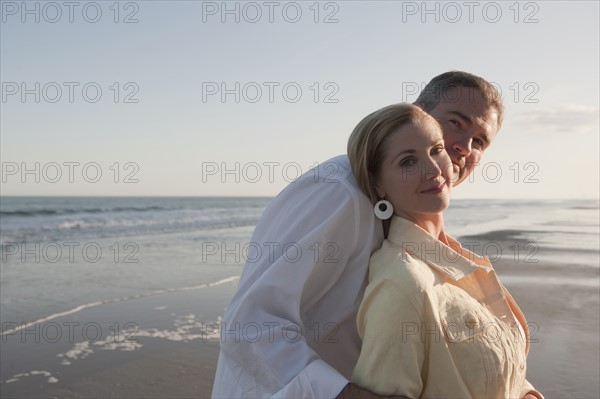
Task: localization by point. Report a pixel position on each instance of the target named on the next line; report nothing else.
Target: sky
(192, 98)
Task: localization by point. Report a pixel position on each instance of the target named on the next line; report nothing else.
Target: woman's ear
(376, 186)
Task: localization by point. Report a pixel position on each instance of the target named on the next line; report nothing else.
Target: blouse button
(471, 321)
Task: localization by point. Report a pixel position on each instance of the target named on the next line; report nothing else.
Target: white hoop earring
(383, 209)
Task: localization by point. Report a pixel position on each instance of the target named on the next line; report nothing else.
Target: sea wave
(69, 211)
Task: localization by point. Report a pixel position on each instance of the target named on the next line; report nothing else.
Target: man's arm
(529, 392)
(353, 391)
(262, 338)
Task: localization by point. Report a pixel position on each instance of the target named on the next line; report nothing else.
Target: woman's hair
(365, 145)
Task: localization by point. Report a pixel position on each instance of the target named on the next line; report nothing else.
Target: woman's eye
(478, 143)
(408, 162)
(436, 150)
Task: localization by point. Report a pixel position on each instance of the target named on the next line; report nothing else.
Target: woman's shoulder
(393, 264)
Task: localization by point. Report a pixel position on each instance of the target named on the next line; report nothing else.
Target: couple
(374, 269)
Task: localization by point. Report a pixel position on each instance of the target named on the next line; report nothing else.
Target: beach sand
(564, 354)
(174, 371)
(159, 346)
(177, 352)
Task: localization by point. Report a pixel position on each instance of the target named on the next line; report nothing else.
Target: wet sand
(172, 348)
(564, 355)
(160, 346)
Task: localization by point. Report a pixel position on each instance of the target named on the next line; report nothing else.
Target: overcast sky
(237, 98)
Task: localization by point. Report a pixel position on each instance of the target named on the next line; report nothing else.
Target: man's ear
(419, 105)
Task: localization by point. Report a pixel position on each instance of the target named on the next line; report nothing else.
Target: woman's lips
(436, 189)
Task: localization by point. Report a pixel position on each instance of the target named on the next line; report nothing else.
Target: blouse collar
(453, 260)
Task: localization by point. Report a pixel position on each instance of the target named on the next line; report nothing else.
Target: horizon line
(270, 196)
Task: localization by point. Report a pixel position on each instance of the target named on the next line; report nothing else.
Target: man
(290, 329)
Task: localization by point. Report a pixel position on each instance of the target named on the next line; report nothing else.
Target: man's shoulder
(328, 192)
(336, 169)
(331, 176)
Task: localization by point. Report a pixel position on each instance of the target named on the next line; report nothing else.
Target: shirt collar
(453, 260)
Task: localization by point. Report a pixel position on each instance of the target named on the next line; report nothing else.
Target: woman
(435, 320)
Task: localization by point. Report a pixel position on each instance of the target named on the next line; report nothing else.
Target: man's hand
(353, 391)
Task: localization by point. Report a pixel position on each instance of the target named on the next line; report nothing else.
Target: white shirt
(290, 329)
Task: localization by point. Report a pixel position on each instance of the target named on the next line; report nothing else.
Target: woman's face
(416, 172)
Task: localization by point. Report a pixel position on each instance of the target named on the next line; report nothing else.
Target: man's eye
(454, 122)
(479, 143)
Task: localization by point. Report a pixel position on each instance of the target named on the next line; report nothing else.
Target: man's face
(468, 125)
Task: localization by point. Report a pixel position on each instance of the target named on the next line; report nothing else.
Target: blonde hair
(365, 145)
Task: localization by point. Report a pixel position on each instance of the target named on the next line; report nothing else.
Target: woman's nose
(433, 169)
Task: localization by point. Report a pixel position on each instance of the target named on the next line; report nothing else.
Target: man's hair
(436, 91)
(366, 148)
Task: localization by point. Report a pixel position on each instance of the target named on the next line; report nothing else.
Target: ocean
(61, 253)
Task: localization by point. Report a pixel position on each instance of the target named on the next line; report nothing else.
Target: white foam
(118, 343)
(182, 333)
(17, 377)
(81, 350)
(77, 224)
(44, 373)
(122, 299)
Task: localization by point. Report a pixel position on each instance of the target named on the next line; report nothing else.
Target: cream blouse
(437, 323)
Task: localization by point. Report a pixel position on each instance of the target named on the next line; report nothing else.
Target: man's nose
(463, 145)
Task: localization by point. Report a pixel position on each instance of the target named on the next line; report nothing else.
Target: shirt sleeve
(262, 341)
(392, 354)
